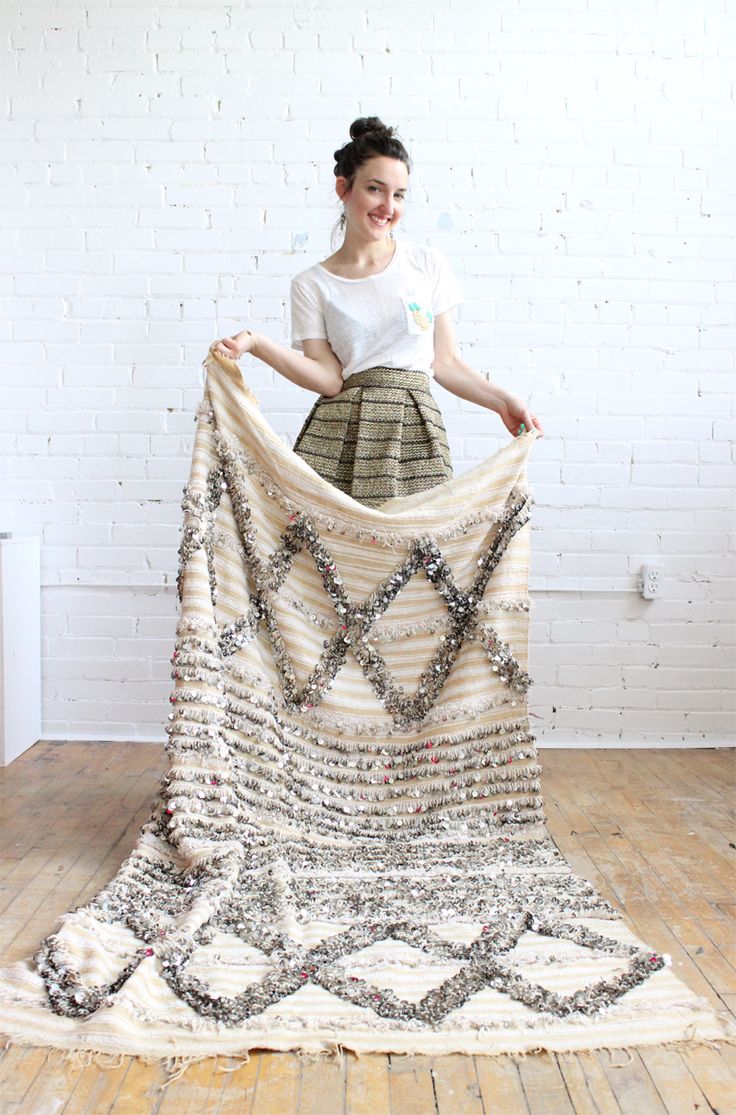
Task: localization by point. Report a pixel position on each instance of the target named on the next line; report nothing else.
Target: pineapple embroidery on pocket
(424, 318)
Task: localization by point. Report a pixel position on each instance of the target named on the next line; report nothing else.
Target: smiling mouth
(382, 221)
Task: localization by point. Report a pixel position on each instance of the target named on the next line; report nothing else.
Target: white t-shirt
(383, 320)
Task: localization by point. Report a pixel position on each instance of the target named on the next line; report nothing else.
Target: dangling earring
(391, 234)
(342, 219)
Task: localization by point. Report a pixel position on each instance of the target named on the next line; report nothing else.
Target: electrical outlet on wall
(650, 585)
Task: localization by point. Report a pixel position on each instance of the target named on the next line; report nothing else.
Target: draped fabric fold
(348, 847)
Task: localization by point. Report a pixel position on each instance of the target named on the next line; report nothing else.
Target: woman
(373, 324)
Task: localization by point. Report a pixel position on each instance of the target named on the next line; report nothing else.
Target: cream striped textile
(348, 848)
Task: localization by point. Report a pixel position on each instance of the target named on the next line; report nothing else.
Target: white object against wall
(168, 167)
(20, 646)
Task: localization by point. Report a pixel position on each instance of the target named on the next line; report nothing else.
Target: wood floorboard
(652, 830)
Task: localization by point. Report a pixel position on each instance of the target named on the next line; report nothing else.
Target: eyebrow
(403, 189)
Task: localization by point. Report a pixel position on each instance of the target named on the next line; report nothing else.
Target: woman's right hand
(234, 347)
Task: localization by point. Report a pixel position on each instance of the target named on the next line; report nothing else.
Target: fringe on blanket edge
(83, 1057)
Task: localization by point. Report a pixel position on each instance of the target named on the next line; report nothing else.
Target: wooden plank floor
(653, 830)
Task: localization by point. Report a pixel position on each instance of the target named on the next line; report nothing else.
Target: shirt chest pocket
(419, 317)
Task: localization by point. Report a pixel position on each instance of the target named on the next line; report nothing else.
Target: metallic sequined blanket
(348, 847)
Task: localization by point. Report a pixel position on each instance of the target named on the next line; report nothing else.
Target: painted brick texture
(167, 166)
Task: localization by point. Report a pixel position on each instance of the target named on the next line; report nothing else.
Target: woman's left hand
(517, 418)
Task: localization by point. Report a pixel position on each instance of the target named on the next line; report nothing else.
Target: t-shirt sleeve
(446, 293)
(307, 313)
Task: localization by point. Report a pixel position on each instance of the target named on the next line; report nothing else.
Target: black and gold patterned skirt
(381, 437)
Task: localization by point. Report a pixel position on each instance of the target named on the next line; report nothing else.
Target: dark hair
(369, 136)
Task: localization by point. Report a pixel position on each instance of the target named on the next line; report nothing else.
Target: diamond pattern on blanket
(348, 846)
(355, 620)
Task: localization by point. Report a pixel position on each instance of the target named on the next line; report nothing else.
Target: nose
(386, 206)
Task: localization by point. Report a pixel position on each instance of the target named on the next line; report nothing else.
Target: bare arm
(459, 378)
(318, 369)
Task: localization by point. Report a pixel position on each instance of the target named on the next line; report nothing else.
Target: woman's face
(376, 202)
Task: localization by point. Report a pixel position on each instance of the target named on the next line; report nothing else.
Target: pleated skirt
(381, 437)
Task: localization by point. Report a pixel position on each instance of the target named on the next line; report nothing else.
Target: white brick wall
(167, 167)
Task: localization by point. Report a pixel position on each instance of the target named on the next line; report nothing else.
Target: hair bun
(369, 136)
(365, 124)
